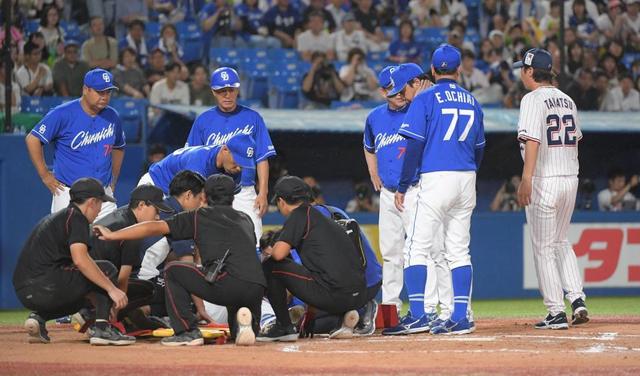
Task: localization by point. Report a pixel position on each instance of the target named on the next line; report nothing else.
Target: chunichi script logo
(219, 138)
(383, 139)
(85, 138)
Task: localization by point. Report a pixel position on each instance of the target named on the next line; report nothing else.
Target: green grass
(481, 308)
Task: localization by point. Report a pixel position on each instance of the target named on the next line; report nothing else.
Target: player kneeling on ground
(331, 277)
(230, 275)
(55, 273)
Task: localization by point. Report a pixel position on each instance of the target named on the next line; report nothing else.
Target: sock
(101, 324)
(461, 278)
(415, 278)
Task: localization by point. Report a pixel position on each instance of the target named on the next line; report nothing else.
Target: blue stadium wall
(497, 245)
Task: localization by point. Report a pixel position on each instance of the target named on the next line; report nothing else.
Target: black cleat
(556, 322)
(278, 333)
(36, 328)
(189, 338)
(367, 324)
(580, 314)
(109, 336)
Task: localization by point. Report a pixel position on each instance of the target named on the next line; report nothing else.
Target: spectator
(199, 89)
(616, 49)
(321, 84)
(369, 21)
(283, 21)
(315, 6)
(135, 39)
(38, 7)
(34, 77)
(365, 200)
(106, 10)
(38, 39)
(349, 37)
(455, 37)
(502, 77)
(129, 76)
(337, 10)
(69, 71)
(405, 49)
(583, 92)
(475, 81)
(635, 69)
(316, 38)
(617, 196)
(514, 96)
(622, 97)
(500, 23)
(422, 12)
(453, 11)
(522, 9)
(155, 72)
(128, 11)
(506, 198)
(252, 27)
(601, 83)
(169, 44)
(360, 80)
(218, 20)
(52, 32)
(488, 10)
(316, 190)
(550, 23)
(631, 28)
(169, 90)
(575, 58)
(100, 50)
(16, 98)
(611, 23)
(609, 66)
(584, 25)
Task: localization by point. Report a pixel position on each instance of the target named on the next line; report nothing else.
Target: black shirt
(216, 229)
(324, 248)
(126, 252)
(48, 246)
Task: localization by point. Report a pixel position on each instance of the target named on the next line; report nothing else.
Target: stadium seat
(228, 57)
(152, 34)
(41, 105)
(629, 58)
(191, 40)
(282, 54)
(284, 92)
(391, 32)
(131, 112)
(31, 26)
(377, 56)
(257, 75)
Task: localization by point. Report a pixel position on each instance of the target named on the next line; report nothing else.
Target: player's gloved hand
(377, 183)
(52, 183)
(261, 204)
(399, 201)
(524, 192)
(102, 232)
(119, 298)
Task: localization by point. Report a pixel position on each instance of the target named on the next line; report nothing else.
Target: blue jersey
(82, 143)
(200, 159)
(214, 127)
(381, 137)
(411, 50)
(251, 18)
(449, 120)
(286, 21)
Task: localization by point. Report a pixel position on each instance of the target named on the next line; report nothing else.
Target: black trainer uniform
(121, 253)
(241, 283)
(45, 278)
(331, 277)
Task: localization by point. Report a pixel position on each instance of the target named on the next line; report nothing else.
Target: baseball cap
(99, 80)
(242, 148)
(403, 74)
(152, 195)
(495, 32)
(536, 58)
(218, 185)
(291, 187)
(384, 77)
(71, 42)
(224, 77)
(89, 188)
(349, 17)
(446, 57)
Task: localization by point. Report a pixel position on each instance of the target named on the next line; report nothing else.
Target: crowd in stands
(163, 50)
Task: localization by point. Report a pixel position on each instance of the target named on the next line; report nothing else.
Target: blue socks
(415, 278)
(461, 278)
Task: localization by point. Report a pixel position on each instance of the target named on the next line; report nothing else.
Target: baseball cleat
(580, 314)
(37, 329)
(422, 324)
(436, 322)
(245, 335)
(557, 322)
(450, 327)
(109, 336)
(367, 324)
(189, 338)
(402, 327)
(278, 333)
(349, 321)
(82, 320)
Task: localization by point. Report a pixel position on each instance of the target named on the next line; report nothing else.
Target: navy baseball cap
(219, 185)
(89, 188)
(536, 58)
(402, 75)
(224, 77)
(242, 148)
(384, 77)
(152, 195)
(446, 57)
(291, 187)
(99, 80)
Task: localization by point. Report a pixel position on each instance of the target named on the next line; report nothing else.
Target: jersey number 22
(554, 127)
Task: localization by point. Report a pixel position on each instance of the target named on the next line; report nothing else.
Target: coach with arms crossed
(88, 139)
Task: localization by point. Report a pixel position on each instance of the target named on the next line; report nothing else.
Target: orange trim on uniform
(303, 277)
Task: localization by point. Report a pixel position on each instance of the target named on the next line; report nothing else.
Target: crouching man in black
(216, 229)
(331, 277)
(55, 273)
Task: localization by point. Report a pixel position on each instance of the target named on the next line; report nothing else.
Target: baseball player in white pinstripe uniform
(548, 133)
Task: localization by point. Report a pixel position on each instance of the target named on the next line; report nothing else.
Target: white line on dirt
(519, 351)
(601, 337)
(434, 338)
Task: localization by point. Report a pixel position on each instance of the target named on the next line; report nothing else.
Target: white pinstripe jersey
(549, 116)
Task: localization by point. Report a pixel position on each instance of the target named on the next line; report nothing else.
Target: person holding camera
(360, 80)
(617, 196)
(218, 21)
(230, 275)
(321, 84)
(365, 200)
(506, 199)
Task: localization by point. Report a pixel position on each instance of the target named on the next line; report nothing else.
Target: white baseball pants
(62, 199)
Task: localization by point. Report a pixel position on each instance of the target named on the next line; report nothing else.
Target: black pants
(139, 293)
(287, 275)
(183, 279)
(63, 291)
(324, 322)
(158, 306)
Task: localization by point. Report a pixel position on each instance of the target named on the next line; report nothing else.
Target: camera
(586, 188)
(509, 188)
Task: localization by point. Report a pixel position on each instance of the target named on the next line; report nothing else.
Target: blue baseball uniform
(200, 159)
(82, 143)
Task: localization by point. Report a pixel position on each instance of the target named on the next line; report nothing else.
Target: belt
(395, 189)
